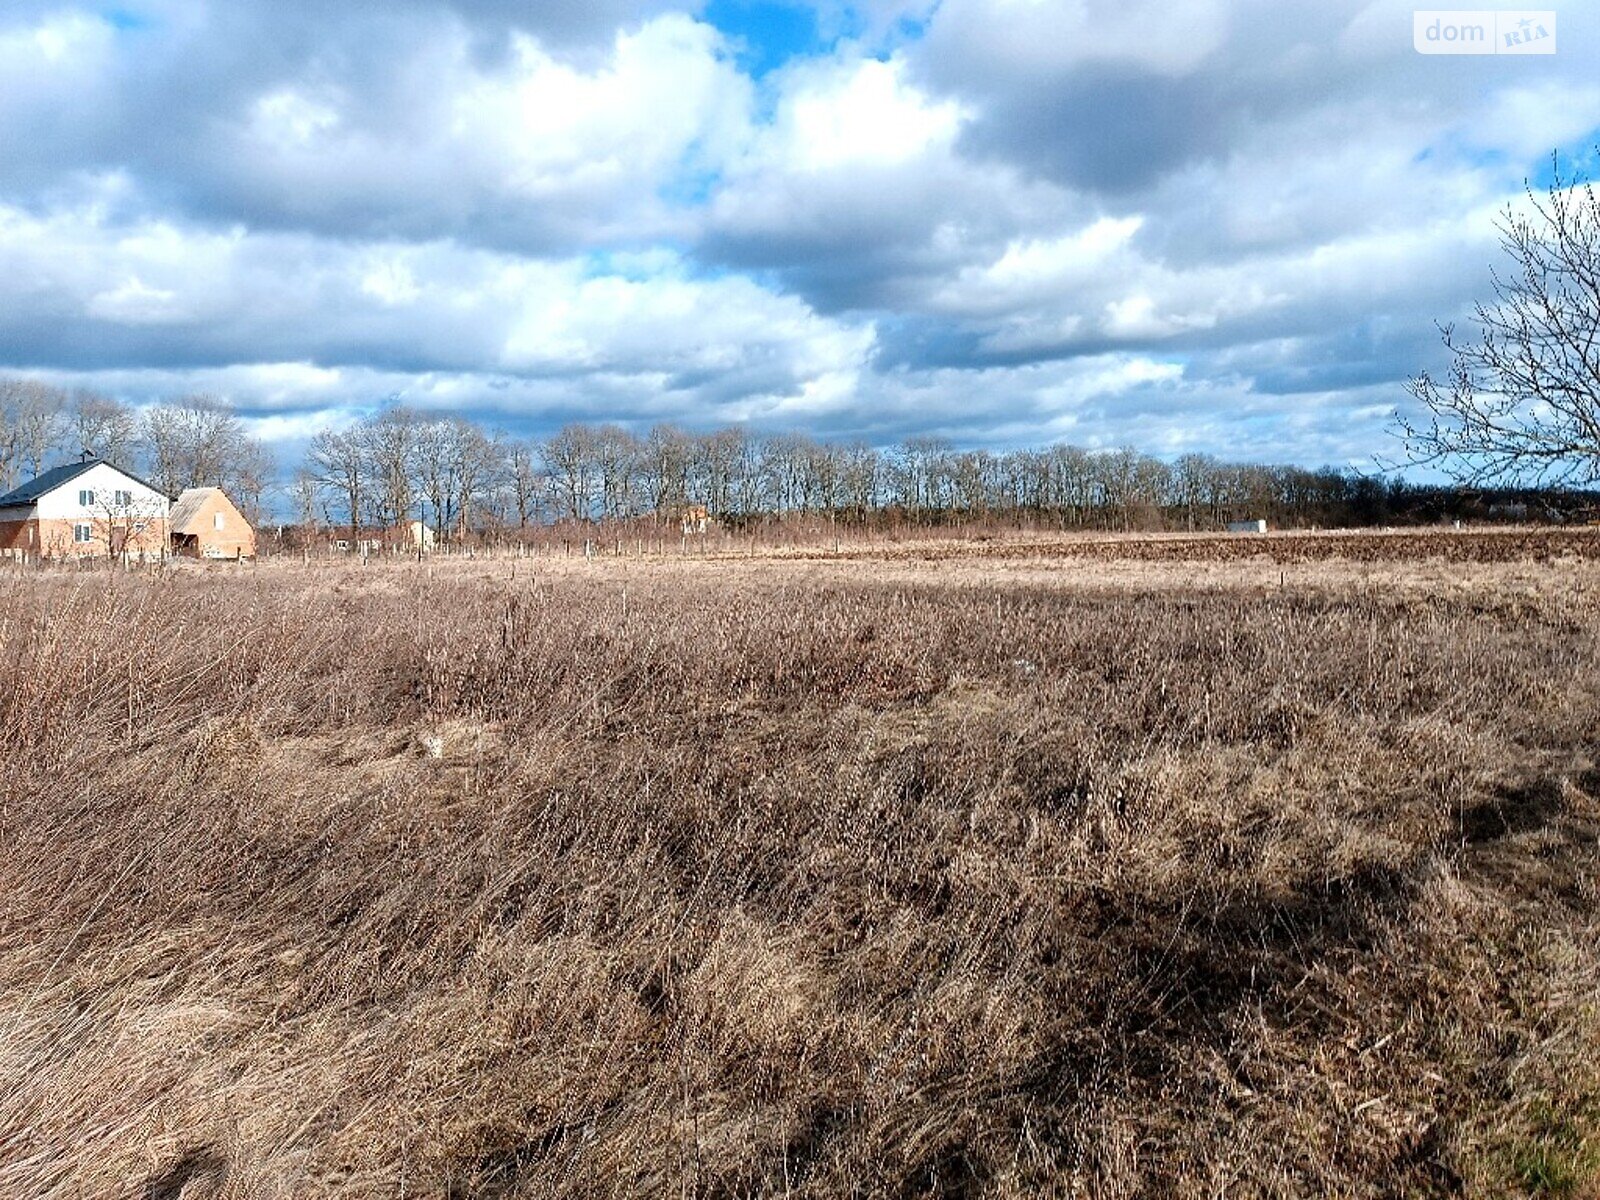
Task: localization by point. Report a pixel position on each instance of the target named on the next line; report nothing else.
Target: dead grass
(1473, 544)
(801, 878)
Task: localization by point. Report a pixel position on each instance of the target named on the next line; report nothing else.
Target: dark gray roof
(30, 492)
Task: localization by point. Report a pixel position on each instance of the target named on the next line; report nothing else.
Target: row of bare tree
(192, 442)
(465, 481)
(460, 478)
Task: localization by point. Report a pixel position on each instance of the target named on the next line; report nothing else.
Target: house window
(85, 497)
(138, 526)
(83, 532)
(216, 520)
(124, 499)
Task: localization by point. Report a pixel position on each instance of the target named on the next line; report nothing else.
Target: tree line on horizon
(466, 481)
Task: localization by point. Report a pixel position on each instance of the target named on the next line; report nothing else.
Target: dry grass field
(1007, 870)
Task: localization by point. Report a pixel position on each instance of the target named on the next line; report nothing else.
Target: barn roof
(186, 508)
(188, 505)
(43, 485)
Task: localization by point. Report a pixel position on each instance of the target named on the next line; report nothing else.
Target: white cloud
(136, 303)
(1034, 268)
(1531, 119)
(64, 41)
(48, 69)
(289, 120)
(442, 307)
(390, 281)
(856, 185)
(841, 113)
(547, 126)
(278, 429)
(526, 148)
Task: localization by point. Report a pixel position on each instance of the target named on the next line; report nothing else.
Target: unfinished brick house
(205, 524)
(84, 509)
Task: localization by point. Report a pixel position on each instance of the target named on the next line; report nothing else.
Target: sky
(1225, 226)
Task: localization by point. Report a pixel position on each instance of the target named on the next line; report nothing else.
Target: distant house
(84, 509)
(1247, 526)
(205, 524)
(419, 535)
(693, 518)
(371, 539)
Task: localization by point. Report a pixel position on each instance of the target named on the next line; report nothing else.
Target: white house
(84, 509)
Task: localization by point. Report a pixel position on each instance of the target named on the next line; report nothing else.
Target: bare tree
(822, 467)
(1068, 484)
(41, 424)
(435, 472)
(972, 478)
(161, 431)
(1117, 472)
(192, 442)
(1191, 478)
(494, 507)
(751, 481)
(107, 428)
(391, 440)
(32, 427)
(527, 480)
(469, 480)
(1521, 401)
(458, 467)
(476, 459)
(779, 467)
(569, 457)
(616, 460)
(306, 492)
(861, 472)
(127, 524)
(914, 472)
(664, 469)
(338, 460)
(251, 477)
(717, 466)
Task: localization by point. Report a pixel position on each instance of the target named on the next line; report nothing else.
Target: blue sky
(765, 36)
(1221, 225)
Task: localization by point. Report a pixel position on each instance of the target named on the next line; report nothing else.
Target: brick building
(84, 509)
(205, 524)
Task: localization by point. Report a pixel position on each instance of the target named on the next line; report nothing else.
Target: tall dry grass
(393, 881)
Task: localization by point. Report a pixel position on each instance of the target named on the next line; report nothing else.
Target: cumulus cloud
(1225, 224)
(530, 152)
(396, 123)
(170, 294)
(853, 189)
